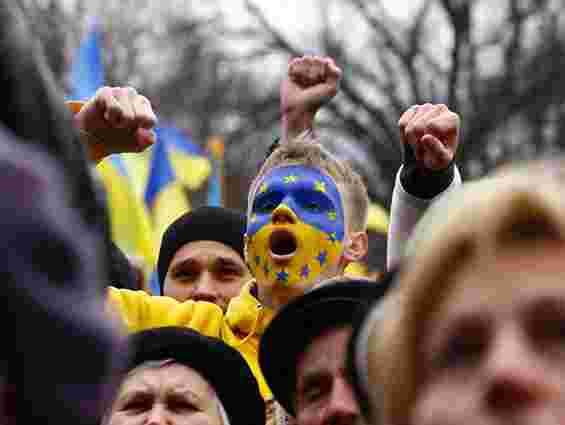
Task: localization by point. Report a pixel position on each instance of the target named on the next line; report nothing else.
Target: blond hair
(306, 150)
(511, 211)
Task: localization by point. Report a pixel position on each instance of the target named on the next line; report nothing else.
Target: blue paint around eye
(310, 194)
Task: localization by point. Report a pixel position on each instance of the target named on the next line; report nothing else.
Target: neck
(275, 300)
(276, 297)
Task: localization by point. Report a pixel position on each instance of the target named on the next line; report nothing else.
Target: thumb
(436, 155)
(145, 138)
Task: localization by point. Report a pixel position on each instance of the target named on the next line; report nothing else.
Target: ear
(356, 247)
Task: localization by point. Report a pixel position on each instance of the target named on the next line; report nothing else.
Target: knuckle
(419, 128)
(410, 129)
(103, 90)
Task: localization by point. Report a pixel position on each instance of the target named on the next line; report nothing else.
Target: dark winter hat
(221, 365)
(332, 305)
(203, 224)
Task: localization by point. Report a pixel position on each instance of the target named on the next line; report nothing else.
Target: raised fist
(432, 133)
(311, 82)
(116, 119)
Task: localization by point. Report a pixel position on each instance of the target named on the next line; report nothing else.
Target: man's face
(324, 395)
(173, 394)
(295, 230)
(206, 271)
(494, 352)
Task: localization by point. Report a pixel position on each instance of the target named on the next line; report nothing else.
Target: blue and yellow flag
(130, 224)
(188, 161)
(87, 69)
(165, 197)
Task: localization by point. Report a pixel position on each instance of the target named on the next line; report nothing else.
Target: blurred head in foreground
(60, 356)
(474, 332)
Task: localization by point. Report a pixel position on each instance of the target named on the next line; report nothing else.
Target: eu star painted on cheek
(296, 227)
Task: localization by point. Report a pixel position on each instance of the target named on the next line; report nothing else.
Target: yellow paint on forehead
(290, 179)
(320, 186)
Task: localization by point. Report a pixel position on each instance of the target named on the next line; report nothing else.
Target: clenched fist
(116, 120)
(432, 132)
(311, 82)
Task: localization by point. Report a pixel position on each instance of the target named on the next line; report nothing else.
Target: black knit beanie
(203, 224)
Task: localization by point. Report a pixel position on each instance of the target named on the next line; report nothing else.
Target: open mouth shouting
(282, 245)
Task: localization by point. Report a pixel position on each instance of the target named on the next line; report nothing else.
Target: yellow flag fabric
(377, 220)
(165, 196)
(130, 223)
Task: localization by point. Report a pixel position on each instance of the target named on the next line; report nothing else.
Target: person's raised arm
(310, 83)
(114, 120)
(429, 137)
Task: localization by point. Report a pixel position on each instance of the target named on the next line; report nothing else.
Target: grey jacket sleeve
(406, 210)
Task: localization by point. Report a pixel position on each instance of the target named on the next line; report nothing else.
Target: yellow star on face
(332, 215)
(263, 188)
(290, 179)
(320, 186)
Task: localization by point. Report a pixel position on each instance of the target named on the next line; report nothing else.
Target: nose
(205, 288)
(342, 408)
(157, 415)
(514, 378)
(283, 215)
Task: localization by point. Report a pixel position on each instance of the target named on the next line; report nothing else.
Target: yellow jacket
(240, 327)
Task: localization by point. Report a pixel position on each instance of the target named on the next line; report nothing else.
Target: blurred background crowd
(497, 63)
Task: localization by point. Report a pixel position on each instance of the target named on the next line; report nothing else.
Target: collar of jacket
(245, 315)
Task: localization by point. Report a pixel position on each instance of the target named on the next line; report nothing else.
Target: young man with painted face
(306, 221)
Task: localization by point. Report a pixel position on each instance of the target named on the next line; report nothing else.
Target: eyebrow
(182, 264)
(227, 261)
(312, 377)
(185, 392)
(132, 394)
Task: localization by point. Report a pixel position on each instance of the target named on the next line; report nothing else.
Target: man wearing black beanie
(201, 256)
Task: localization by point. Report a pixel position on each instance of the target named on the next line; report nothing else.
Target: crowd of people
(257, 322)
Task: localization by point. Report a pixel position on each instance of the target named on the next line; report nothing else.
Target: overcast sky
(294, 13)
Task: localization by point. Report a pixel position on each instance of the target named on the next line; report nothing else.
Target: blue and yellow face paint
(296, 226)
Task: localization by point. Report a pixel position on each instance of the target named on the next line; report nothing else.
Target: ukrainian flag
(188, 161)
(165, 197)
(130, 224)
(87, 70)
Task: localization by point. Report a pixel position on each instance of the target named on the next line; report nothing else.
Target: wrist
(295, 123)
(95, 146)
(423, 183)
